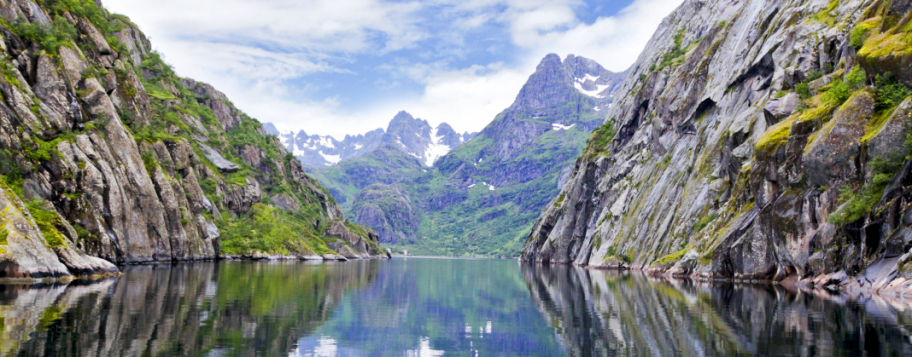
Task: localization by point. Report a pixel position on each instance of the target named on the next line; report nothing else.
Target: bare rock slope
(756, 140)
(107, 156)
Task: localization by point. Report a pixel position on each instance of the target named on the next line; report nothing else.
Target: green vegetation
(825, 15)
(86, 9)
(861, 31)
(600, 139)
(840, 91)
(896, 42)
(858, 203)
(675, 55)
(705, 221)
(814, 75)
(803, 90)
(890, 93)
(672, 258)
(272, 231)
(50, 37)
(560, 200)
(775, 136)
(4, 234)
(612, 253)
(47, 221)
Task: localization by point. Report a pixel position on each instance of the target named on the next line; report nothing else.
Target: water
(434, 307)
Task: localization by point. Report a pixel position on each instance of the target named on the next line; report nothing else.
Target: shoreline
(66, 279)
(836, 284)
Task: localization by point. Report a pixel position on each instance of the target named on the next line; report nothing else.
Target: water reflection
(605, 313)
(227, 309)
(434, 307)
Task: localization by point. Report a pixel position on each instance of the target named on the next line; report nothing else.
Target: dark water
(434, 307)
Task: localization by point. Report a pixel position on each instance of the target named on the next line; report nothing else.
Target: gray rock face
(413, 136)
(100, 166)
(218, 160)
(389, 211)
(710, 174)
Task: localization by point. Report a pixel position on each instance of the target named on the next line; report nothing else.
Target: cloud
(615, 42)
(468, 99)
(320, 65)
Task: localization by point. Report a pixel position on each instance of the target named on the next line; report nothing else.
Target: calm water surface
(434, 307)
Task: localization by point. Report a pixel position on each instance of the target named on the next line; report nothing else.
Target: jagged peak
(551, 60)
(581, 67)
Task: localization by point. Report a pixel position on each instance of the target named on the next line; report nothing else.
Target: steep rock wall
(119, 160)
(757, 140)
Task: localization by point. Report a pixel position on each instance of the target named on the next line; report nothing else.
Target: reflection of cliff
(231, 309)
(606, 313)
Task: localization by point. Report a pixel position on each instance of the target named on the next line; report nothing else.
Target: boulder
(218, 160)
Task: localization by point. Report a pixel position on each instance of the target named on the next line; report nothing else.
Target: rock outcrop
(107, 156)
(751, 143)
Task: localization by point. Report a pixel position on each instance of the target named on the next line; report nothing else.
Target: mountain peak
(582, 67)
(411, 135)
(403, 115)
(551, 60)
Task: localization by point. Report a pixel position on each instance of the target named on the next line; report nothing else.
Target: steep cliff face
(757, 139)
(108, 156)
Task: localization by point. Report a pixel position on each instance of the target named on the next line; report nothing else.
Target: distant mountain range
(413, 136)
(436, 192)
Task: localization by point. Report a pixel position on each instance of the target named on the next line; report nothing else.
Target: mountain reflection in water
(610, 313)
(434, 307)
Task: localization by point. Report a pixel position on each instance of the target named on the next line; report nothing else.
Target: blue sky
(341, 67)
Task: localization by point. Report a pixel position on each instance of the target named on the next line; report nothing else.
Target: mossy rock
(887, 51)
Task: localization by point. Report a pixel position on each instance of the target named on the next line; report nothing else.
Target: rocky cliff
(754, 140)
(107, 156)
(413, 136)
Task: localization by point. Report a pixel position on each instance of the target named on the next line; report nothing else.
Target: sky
(337, 67)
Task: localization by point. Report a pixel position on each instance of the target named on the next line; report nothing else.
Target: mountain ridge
(486, 191)
(413, 135)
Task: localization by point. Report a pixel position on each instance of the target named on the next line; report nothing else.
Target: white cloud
(615, 42)
(258, 51)
(469, 99)
(328, 25)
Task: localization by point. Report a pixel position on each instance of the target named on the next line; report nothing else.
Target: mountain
(107, 156)
(753, 140)
(414, 136)
(481, 198)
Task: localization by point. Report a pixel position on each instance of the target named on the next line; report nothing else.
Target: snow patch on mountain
(591, 93)
(332, 159)
(436, 148)
(557, 126)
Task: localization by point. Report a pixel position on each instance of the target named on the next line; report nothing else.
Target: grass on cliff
(857, 202)
(672, 258)
(58, 33)
(272, 231)
(47, 221)
(601, 139)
